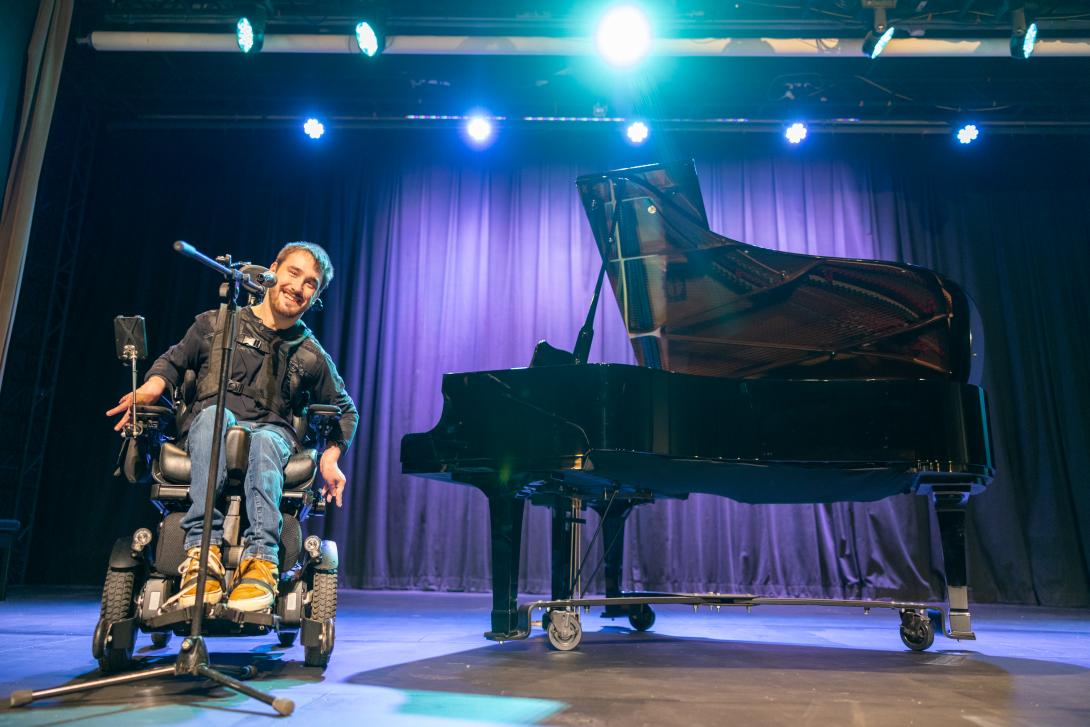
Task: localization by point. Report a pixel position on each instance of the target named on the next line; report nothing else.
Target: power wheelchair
(143, 569)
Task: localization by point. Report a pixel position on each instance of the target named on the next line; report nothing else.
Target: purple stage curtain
(455, 261)
(466, 266)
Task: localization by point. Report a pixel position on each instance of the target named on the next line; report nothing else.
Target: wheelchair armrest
(320, 420)
(154, 417)
(324, 411)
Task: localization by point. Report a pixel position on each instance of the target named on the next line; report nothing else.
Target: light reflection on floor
(419, 659)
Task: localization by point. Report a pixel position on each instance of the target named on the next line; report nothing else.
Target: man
(277, 366)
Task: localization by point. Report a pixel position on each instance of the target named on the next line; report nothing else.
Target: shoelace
(215, 566)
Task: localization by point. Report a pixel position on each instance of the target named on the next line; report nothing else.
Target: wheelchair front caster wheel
(323, 608)
(116, 607)
(159, 639)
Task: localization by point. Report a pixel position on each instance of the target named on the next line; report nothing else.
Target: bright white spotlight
(479, 129)
(968, 134)
(879, 44)
(366, 39)
(796, 132)
(637, 132)
(623, 36)
(1023, 37)
(314, 128)
(244, 35)
(1031, 40)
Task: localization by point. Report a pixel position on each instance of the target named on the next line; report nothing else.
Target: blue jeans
(270, 449)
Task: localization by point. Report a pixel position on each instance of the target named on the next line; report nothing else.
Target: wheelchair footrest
(218, 619)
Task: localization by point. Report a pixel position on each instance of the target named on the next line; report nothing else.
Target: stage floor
(406, 658)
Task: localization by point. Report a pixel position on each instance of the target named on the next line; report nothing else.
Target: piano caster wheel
(642, 618)
(917, 630)
(564, 630)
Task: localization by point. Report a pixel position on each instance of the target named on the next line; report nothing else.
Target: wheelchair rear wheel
(323, 607)
(117, 606)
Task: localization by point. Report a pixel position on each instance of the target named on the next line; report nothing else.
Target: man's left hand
(331, 473)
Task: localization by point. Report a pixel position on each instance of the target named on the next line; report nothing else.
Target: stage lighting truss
(1023, 37)
(250, 28)
(881, 33)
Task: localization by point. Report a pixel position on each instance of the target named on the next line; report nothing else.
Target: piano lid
(696, 302)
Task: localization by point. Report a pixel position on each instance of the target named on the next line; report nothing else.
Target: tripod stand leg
(26, 696)
(283, 706)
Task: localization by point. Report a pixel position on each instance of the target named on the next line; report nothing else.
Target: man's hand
(149, 393)
(331, 473)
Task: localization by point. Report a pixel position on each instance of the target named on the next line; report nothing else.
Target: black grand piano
(763, 376)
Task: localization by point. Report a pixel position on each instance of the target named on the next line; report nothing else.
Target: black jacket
(273, 373)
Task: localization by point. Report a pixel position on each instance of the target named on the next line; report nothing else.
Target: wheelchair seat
(171, 471)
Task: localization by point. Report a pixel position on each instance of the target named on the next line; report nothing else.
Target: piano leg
(613, 521)
(505, 513)
(950, 510)
(565, 556)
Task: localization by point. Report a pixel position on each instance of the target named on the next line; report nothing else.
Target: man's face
(297, 282)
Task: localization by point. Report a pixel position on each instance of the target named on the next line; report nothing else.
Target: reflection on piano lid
(697, 302)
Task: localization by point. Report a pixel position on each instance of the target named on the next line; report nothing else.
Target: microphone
(259, 275)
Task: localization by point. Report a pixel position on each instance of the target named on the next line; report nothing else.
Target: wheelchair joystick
(131, 341)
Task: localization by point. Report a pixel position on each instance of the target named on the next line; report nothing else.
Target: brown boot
(213, 587)
(254, 585)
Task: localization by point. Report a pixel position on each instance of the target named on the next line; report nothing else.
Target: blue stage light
(366, 38)
(623, 35)
(968, 134)
(244, 34)
(796, 132)
(314, 128)
(882, 42)
(1023, 37)
(479, 129)
(637, 132)
(1029, 42)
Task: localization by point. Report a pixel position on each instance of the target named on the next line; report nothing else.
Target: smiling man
(277, 367)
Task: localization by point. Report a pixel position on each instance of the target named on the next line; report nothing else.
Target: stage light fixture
(968, 134)
(1023, 37)
(623, 35)
(881, 33)
(796, 132)
(250, 29)
(367, 38)
(637, 132)
(479, 129)
(314, 128)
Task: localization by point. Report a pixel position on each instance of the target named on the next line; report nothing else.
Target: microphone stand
(192, 659)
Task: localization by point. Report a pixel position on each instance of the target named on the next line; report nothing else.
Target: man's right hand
(149, 393)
